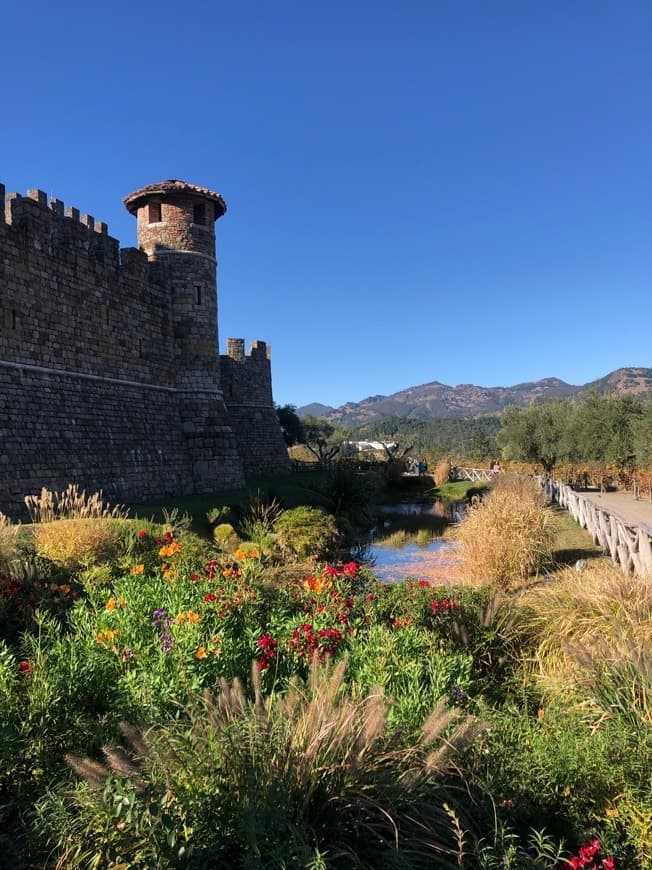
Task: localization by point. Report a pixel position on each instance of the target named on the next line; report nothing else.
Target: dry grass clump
(508, 536)
(76, 543)
(8, 540)
(442, 472)
(74, 529)
(70, 504)
(597, 615)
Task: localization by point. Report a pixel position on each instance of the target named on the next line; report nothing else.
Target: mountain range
(435, 399)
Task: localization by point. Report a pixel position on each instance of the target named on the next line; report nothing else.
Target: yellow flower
(240, 555)
(101, 637)
(138, 569)
(112, 603)
(181, 617)
(201, 653)
(169, 573)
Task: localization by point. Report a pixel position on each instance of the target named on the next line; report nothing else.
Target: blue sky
(450, 191)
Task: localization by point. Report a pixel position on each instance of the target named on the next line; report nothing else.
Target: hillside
(437, 400)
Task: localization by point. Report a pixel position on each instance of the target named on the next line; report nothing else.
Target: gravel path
(625, 506)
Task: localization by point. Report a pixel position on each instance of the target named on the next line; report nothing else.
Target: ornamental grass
(585, 620)
(77, 543)
(507, 537)
(8, 541)
(267, 781)
(49, 506)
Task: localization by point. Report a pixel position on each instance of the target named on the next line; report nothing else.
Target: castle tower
(176, 229)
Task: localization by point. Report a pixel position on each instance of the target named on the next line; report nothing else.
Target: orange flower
(188, 616)
(170, 549)
(540, 714)
(103, 636)
(138, 569)
(317, 585)
(201, 653)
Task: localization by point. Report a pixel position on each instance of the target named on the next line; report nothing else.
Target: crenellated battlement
(48, 224)
(259, 350)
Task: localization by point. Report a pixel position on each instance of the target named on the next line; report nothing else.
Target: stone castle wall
(92, 381)
(247, 387)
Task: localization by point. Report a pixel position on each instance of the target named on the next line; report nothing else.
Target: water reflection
(452, 512)
(407, 541)
(429, 562)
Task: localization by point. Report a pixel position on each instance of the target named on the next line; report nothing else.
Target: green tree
(322, 439)
(604, 429)
(537, 433)
(291, 425)
(642, 436)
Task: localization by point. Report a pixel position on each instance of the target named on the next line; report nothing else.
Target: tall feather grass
(313, 771)
(508, 536)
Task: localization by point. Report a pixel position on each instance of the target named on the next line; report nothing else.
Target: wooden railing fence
(473, 474)
(628, 544)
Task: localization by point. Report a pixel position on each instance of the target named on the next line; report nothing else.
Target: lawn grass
(458, 490)
(571, 541)
(292, 489)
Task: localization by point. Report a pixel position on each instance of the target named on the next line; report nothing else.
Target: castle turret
(176, 229)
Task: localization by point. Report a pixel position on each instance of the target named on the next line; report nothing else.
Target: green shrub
(225, 537)
(306, 532)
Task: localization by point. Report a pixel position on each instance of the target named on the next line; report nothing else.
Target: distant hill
(315, 410)
(436, 400)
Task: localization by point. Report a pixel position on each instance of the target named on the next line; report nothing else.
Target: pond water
(430, 562)
(451, 511)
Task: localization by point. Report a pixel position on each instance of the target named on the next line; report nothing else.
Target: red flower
(25, 667)
(194, 577)
(210, 596)
(142, 533)
(609, 863)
